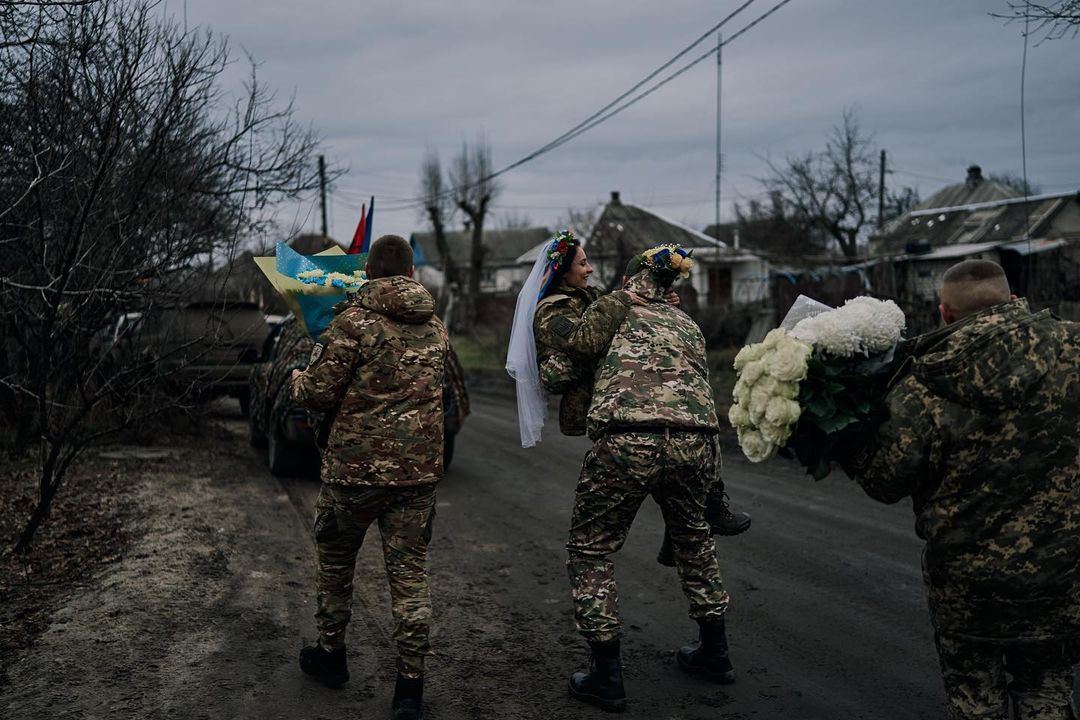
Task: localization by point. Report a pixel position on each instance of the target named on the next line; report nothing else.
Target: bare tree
(1054, 20)
(766, 228)
(1015, 182)
(834, 190)
(474, 191)
(581, 221)
(513, 220)
(438, 209)
(125, 170)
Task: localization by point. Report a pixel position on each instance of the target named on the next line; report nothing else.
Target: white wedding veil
(521, 356)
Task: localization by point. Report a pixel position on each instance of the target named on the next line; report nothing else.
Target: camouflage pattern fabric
(655, 370)
(342, 517)
(976, 687)
(561, 373)
(677, 468)
(984, 435)
(382, 371)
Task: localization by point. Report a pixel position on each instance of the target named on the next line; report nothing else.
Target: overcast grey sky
(936, 83)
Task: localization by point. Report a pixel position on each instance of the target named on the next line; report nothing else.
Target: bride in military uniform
(543, 356)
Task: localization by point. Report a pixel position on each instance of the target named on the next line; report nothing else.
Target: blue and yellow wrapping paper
(311, 303)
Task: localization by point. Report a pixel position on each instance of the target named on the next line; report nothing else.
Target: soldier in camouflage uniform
(379, 370)
(654, 425)
(564, 372)
(984, 436)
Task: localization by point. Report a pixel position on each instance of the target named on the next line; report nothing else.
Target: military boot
(602, 686)
(408, 698)
(721, 519)
(330, 666)
(721, 522)
(709, 658)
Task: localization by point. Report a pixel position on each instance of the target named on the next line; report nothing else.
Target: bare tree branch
(124, 170)
(1052, 20)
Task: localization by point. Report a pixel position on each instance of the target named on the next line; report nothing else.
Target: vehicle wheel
(244, 396)
(280, 456)
(256, 437)
(448, 451)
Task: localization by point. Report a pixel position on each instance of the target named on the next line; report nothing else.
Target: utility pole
(881, 194)
(719, 160)
(322, 194)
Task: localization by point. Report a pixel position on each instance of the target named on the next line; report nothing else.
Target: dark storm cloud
(936, 83)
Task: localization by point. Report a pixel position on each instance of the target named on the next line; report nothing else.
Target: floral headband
(557, 250)
(663, 260)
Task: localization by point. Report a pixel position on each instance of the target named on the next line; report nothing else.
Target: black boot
(721, 519)
(408, 698)
(330, 666)
(710, 658)
(602, 686)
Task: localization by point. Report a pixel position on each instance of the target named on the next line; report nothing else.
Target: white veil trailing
(521, 356)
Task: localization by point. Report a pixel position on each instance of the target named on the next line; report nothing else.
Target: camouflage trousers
(976, 687)
(342, 517)
(620, 471)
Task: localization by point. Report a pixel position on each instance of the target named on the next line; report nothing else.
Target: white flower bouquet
(815, 385)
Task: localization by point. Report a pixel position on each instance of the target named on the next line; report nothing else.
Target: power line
(613, 108)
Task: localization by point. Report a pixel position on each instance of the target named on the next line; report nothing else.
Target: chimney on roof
(974, 176)
(615, 198)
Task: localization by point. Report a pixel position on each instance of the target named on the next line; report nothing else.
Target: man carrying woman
(648, 440)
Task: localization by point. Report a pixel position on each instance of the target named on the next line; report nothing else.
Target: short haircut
(389, 255)
(974, 285)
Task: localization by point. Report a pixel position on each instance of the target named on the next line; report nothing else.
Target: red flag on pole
(361, 232)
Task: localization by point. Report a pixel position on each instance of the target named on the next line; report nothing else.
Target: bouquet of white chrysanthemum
(815, 384)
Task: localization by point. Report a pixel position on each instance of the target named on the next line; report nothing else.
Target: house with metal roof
(722, 274)
(1035, 238)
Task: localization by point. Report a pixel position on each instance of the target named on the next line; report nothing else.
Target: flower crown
(559, 247)
(557, 250)
(667, 260)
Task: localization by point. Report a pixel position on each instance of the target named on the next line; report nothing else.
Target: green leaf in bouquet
(822, 407)
(835, 387)
(836, 422)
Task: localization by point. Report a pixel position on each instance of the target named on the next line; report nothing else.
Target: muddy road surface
(827, 618)
(206, 614)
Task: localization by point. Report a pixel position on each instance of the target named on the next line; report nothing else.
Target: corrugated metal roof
(964, 193)
(954, 251)
(974, 206)
(1031, 247)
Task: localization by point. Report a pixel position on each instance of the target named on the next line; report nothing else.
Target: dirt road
(206, 615)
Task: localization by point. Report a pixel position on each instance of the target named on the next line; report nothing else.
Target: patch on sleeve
(316, 353)
(562, 327)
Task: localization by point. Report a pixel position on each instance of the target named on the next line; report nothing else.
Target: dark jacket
(984, 435)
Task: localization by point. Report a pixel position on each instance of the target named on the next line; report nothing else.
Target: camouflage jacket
(562, 373)
(984, 435)
(652, 370)
(382, 371)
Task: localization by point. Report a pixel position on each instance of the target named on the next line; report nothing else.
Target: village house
(1035, 238)
(722, 276)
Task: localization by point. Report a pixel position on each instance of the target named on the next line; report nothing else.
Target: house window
(719, 286)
